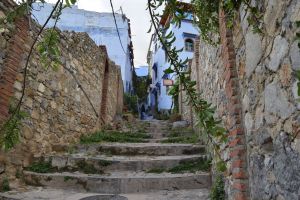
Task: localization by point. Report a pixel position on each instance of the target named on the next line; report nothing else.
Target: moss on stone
(5, 185)
(88, 168)
(40, 167)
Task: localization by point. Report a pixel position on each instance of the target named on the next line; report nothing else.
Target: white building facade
(158, 62)
(101, 28)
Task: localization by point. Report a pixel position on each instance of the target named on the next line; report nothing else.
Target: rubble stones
(276, 101)
(179, 124)
(253, 52)
(280, 48)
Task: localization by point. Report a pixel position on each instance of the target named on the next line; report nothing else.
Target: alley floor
(120, 171)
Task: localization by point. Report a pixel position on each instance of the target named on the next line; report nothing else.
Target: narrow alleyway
(136, 171)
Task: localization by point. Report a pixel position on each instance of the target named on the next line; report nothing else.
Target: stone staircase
(124, 168)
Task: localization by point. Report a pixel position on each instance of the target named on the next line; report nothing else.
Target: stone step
(122, 182)
(156, 140)
(154, 149)
(103, 163)
(40, 193)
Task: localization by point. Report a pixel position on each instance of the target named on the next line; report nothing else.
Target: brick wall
(12, 54)
(250, 78)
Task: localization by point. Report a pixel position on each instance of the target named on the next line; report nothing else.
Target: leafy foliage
(193, 166)
(131, 102)
(218, 191)
(208, 125)
(5, 185)
(50, 54)
(188, 139)
(49, 50)
(140, 85)
(10, 130)
(174, 92)
(40, 167)
(88, 168)
(10, 17)
(206, 16)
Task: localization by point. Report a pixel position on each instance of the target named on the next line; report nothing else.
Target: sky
(142, 71)
(136, 11)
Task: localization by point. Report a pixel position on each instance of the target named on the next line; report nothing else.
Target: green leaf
(168, 71)
(221, 166)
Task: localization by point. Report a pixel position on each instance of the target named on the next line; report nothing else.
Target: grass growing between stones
(182, 135)
(156, 171)
(188, 166)
(113, 136)
(88, 168)
(67, 178)
(41, 167)
(193, 139)
(5, 185)
(104, 163)
(217, 191)
(192, 166)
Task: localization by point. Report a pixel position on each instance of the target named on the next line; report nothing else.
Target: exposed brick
(12, 64)
(235, 142)
(239, 186)
(239, 175)
(240, 196)
(237, 131)
(238, 163)
(237, 152)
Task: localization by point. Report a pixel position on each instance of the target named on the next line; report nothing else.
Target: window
(189, 45)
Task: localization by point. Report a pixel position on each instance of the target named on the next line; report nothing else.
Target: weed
(108, 127)
(5, 185)
(217, 191)
(113, 136)
(187, 166)
(182, 135)
(71, 149)
(192, 166)
(40, 167)
(104, 163)
(156, 170)
(175, 117)
(67, 178)
(88, 168)
(18, 174)
(193, 139)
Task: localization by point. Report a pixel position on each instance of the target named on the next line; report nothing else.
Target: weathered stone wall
(62, 105)
(256, 82)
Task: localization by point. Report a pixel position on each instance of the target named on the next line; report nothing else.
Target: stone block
(280, 49)
(179, 124)
(295, 56)
(41, 88)
(276, 101)
(295, 94)
(253, 52)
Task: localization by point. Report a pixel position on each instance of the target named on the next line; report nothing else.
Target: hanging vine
(210, 127)
(49, 53)
(206, 17)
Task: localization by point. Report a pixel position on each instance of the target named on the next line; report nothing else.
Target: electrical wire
(113, 12)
